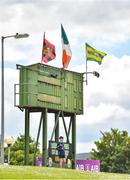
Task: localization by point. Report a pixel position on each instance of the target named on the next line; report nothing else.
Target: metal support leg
(65, 127)
(74, 141)
(26, 161)
(38, 134)
(57, 120)
(57, 128)
(69, 127)
(44, 139)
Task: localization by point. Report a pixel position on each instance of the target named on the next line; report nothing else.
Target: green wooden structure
(48, 89)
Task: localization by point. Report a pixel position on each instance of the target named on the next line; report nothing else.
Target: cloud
(85, 147)
(106, 21)
(96, 22)
(106, 97)
(113, 81)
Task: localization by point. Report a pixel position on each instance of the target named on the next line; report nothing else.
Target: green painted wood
(49, 98)
(49, 80)
(38, 89)
(57, 128)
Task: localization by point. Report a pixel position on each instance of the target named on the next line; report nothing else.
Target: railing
(17, 92)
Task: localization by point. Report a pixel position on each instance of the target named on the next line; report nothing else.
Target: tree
(17, 151)
(113, 151)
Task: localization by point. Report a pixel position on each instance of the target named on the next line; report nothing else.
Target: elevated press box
(43, 86)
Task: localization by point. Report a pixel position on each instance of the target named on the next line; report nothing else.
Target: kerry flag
(66, 51)
(94, 55)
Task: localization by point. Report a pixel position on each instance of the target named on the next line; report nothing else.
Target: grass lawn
(28, 172)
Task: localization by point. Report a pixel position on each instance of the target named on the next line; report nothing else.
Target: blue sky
(104, 24)
(121, 49)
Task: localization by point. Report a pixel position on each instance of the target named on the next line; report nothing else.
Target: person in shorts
(61, 151)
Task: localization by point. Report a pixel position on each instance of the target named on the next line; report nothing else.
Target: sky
(105, 25)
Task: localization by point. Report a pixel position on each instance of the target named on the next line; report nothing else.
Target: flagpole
(44, 37)
(62, 69)
(62, 47)
(43, 45)
(86, 65)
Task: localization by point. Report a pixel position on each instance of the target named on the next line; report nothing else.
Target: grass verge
(29, 172)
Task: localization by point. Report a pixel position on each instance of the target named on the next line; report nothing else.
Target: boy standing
(61, 151)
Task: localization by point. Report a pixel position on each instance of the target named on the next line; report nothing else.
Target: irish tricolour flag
(66, 55)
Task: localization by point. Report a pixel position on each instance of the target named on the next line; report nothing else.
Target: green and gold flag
(94, 55)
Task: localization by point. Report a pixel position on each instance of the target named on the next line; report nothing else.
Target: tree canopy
(17, 151)
(113, 151)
